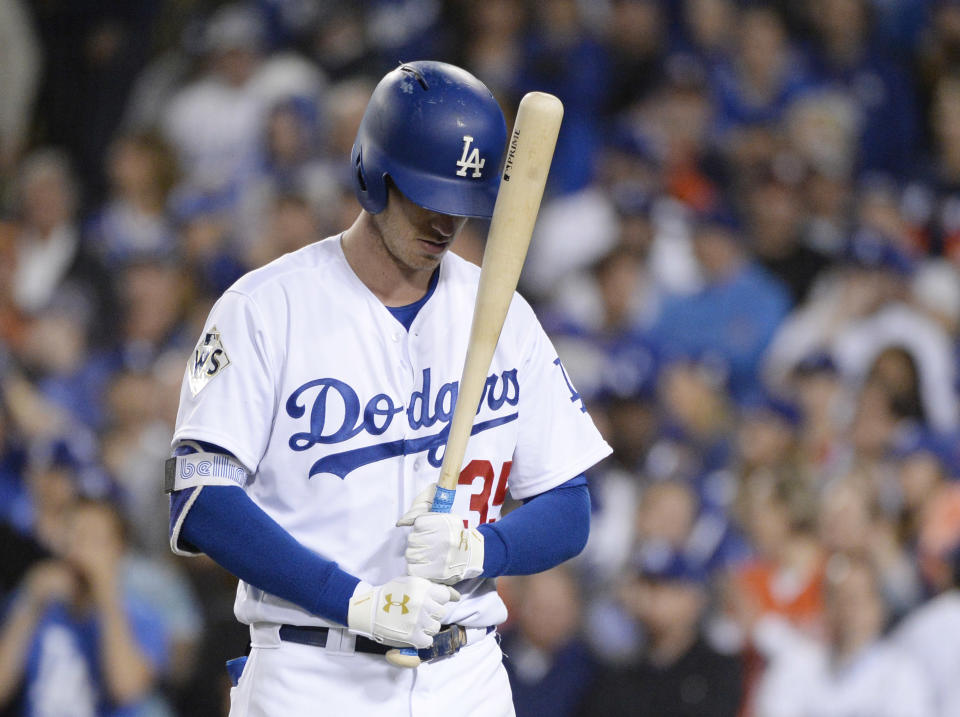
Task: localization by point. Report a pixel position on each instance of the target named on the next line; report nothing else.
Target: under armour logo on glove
(389, 602)
(422, 606)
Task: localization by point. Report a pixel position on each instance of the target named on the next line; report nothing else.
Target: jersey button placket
(411, 462)
(406, 365)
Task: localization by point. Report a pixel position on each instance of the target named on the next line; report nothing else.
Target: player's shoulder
(301, 265)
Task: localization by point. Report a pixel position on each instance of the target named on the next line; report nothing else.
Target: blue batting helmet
(438, 133)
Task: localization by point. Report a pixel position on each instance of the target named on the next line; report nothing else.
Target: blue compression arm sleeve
(229, 527)
(543, 532)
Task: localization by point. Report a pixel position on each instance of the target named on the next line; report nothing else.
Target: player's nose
(444, 224)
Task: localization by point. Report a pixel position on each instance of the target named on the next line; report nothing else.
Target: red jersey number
(481, 503)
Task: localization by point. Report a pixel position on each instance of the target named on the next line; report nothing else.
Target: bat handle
(407, 656)
(443, 500)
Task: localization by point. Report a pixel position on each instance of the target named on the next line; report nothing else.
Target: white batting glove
(405, 611)
(439, 548)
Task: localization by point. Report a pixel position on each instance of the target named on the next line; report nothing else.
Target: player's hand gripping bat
(529, 153)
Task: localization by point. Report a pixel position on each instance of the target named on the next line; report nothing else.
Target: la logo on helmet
(470, 159)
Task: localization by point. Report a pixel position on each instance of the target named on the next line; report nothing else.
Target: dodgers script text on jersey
(329, 402)
(422, 410)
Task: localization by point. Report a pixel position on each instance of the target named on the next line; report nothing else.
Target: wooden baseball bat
(529, 153)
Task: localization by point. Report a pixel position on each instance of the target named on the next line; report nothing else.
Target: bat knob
(403, 658)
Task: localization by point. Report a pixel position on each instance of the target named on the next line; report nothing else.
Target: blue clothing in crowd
(733, 321)
(887, 109)
(578, 75)
(557, 686)
(735, 105)
(63, 671)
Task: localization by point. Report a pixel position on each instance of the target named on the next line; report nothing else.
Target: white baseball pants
(287, 679)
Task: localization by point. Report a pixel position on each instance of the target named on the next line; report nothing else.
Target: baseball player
(312, 423)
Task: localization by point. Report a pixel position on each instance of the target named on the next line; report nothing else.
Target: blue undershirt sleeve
(543, 532)
(236, 533)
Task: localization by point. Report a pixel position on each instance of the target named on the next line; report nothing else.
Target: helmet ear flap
(358, 169)
(370, 189)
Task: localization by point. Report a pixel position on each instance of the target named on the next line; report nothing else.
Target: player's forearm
(540, 534)
(21, 621)
(230, 528)
(126, 670)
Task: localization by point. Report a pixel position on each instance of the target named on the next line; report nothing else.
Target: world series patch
(209, 359)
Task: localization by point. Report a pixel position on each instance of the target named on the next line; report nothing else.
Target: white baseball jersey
(340, 414)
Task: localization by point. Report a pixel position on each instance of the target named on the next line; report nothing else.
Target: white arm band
(199, 469)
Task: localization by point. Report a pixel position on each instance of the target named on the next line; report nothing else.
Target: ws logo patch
(209, 359)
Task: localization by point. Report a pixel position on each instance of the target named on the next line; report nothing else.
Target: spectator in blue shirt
(80, 645)
(846, 57)
(733, 316)
(757, 85)
(563, 59)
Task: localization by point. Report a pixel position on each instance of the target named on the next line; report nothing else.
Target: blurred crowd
(748, 259)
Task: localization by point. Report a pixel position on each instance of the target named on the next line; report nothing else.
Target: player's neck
(388, 280)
